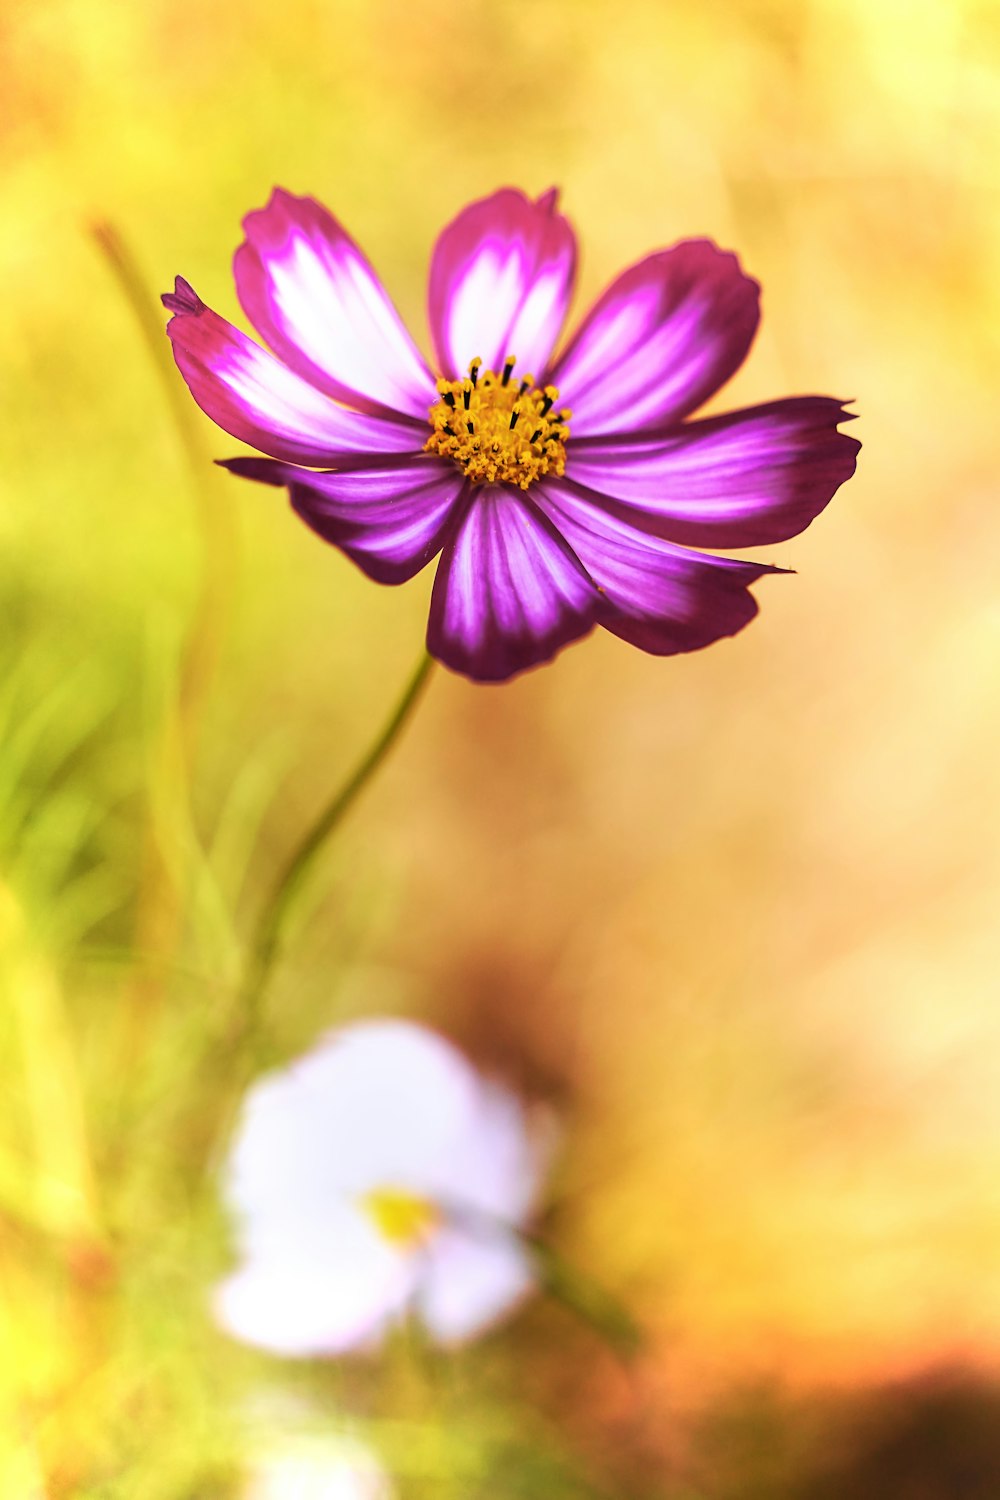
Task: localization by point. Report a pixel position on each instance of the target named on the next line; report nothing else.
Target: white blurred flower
(376, 1177)
(318, 1469)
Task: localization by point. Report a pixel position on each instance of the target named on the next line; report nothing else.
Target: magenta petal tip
(183, 298)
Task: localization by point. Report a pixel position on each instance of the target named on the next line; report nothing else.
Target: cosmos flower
(377, 1177)
(562, 490)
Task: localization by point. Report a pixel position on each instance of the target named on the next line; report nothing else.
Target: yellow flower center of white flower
(497, 429)
(403, 1218)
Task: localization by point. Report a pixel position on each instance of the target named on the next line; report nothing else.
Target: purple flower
(562, 493)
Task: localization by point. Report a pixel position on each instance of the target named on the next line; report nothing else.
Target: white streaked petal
(501, 278)
(309, 291)
(256, 398)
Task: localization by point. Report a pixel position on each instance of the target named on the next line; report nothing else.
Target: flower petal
(663, 337)
(470, 1281)
(253, 397)
(312, 295)
(509, 592)
(661, 598)
(304, 1305)
(501, 278)
(390, 519)
(497, 1164)
(740, 480)
(387, 1098)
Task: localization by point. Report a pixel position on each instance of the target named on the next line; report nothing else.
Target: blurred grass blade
(159, 905)
(214, 507)
(64, 1183)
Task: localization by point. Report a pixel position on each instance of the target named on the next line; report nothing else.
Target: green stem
(588, 1300)
(267, 944)
(575, 1290)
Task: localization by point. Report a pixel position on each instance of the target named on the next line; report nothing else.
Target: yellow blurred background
(735, 912)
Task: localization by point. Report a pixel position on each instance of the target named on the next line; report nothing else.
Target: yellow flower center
(404, 1219)
(497, 429)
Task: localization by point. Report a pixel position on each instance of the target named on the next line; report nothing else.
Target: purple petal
(753, 476)
(509, 593)
(501, 278)
(390, 519)
(309, 291)
(662, 339)
(660, 598)
(255, 398)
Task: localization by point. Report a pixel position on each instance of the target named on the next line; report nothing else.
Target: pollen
(404, 1219)
(499, 430)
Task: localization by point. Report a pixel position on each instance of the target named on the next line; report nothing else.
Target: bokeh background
(734, 914)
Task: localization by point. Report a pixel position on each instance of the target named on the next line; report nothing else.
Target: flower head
(376, 1177)
(562, 490)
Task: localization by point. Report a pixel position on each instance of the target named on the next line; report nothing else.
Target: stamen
(491, 446)
(401, 1217)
